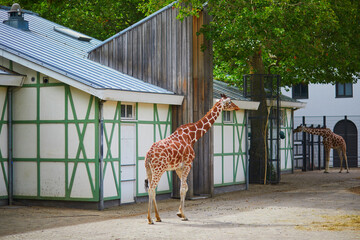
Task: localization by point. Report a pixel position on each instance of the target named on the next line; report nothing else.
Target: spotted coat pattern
(176, 152)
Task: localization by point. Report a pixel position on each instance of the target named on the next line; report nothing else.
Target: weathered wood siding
(166, 52)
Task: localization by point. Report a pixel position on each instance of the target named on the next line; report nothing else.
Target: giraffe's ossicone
(176, 152)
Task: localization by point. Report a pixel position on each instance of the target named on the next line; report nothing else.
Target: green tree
(100, 19)
(308, 41)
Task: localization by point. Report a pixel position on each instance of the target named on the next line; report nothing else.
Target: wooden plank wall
(167, 52)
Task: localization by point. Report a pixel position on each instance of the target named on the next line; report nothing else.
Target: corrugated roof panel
(235, 94)
(45, 28)
(230, 91)
(65, 55)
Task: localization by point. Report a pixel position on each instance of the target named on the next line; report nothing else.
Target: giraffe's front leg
(327, 159)
(183, 191)
(183, 173)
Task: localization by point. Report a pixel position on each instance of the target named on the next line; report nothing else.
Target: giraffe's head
(227, 104)
(299, 129)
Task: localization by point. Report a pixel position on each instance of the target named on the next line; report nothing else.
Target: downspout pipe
(101, 156)
(10, 147)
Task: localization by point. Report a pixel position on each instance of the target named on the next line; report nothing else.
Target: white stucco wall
(322, 101)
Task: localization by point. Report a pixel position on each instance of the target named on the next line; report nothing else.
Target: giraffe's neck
(317, 131)
(205, 123)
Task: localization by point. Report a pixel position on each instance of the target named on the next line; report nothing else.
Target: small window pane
(129, 111)
(123, 111)
(227, 116)
(348, 89)
(340, 89)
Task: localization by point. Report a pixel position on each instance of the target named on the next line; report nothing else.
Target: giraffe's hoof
(326, 172)
(158, 220)
(184, 219)
(150, 222)
(179, 215)
(347, 172)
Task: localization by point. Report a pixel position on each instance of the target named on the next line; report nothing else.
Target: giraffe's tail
(146, 184)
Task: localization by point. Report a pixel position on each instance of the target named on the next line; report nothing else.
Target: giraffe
(176, 153)
(330, 140)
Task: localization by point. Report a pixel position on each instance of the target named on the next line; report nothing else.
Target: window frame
(303, 88)
(343, 95)
(126, 105)
(231, 116)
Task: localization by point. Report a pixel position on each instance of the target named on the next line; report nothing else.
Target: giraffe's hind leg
(152, 199)
(341, 159)
(148, 184)
(346, 162)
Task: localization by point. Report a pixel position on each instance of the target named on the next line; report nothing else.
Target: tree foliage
(97, 18)
(306, 41)
(302, 40)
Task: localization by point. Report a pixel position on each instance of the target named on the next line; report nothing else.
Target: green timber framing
(81, 155)
(238, 155)
(109, 160)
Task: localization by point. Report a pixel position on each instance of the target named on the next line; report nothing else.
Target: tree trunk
(258, 121)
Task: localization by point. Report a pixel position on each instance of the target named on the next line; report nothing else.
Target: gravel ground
(310, 205)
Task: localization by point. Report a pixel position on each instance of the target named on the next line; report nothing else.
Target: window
(127, 111)
(344, 90)
(300, 91)
(227, 116)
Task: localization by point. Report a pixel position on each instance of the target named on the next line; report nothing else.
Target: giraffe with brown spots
(330, 140)
(176, 152)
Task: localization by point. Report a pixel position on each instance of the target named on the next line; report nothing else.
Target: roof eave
(286, 104)
(245, 105)
(143, 97)
(103, 94)
(11, 80)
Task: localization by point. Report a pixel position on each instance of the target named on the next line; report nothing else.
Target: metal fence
(308, 149)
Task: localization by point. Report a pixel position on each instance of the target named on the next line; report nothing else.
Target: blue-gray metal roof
(45, 28)
(65, 55)
(230, 91)
(236, 94)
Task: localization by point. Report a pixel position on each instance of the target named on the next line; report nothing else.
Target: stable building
(72, 129)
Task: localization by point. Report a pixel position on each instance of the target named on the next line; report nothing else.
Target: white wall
(322, 101)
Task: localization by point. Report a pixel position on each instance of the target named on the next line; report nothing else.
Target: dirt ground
(310, 205)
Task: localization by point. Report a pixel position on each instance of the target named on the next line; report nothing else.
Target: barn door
(347, 129)
(128, 163)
